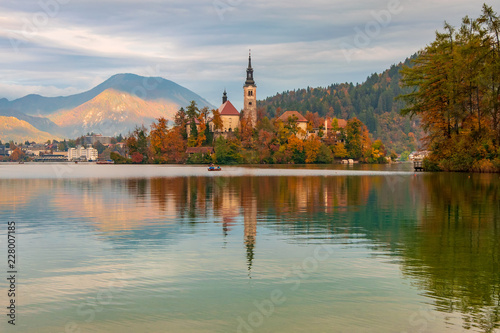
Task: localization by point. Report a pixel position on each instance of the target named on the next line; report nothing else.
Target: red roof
(296, 114)
(227, 109)
(342, 123)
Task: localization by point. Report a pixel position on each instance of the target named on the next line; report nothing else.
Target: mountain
(115, 106)
(371, 101)
(41, 123)
(110, 113)
(146, 88)
(17, 130)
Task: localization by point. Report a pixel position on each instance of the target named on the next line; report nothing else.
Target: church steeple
(250, 94)
(224, 96)
(249, 81)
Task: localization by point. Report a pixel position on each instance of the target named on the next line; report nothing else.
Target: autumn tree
(217, 120)
(453, 88)
(246, 132)
(312, 148)
(202, 123)
(17, 155)
(158, 140)
(180, 121)
(138, 145)
(339, 150)
(176, 149)
(296, 147)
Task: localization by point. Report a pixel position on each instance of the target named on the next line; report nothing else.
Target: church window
(250, 93)
(249, 103)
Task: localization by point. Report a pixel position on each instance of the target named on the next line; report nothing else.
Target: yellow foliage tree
(339, 150)
(201, 130)
(217, 120)
(312, 147)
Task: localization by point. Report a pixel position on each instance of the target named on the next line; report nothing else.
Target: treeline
(373, 102)
(455, 91)
(271, 141)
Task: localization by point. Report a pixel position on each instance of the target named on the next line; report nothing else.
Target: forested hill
(372, 102)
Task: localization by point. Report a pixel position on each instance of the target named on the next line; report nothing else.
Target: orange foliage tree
(312, 148)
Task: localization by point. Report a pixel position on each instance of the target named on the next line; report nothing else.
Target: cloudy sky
(61, 47)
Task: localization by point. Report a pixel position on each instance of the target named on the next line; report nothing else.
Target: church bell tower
(250, 96)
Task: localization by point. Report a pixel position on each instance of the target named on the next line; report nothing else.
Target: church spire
(249, 81)
(224, 96)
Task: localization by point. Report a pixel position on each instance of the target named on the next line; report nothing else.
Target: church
(229, 115)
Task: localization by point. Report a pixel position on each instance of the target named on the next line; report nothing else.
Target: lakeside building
(82, 153)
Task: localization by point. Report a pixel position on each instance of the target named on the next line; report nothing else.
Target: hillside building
(300, 119)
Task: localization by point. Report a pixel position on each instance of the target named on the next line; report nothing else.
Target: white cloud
(14, 91)
(295, 44)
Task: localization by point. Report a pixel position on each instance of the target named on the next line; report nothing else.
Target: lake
(147, 248)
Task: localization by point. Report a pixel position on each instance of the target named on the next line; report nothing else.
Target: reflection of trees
(226, 198)
(455, 253)
(444, 226)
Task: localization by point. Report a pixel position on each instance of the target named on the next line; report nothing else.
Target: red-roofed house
(341, 124)
(330, 126)
(301, 121)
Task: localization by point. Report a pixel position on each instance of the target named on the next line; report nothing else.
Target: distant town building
(93, 139)
(82, 153)
(4, 151)
(54, 157)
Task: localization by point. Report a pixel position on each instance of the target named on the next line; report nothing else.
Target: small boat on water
(212, 168)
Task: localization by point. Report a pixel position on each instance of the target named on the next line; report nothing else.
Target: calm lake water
(110, 248)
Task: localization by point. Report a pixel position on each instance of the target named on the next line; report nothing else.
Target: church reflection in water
(443, 228)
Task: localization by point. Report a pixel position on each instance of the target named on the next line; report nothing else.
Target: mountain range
(113, 107)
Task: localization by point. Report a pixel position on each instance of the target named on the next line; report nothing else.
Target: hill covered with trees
(372, 102)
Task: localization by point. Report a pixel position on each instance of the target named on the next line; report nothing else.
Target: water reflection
(454, 255)
(441, 229)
